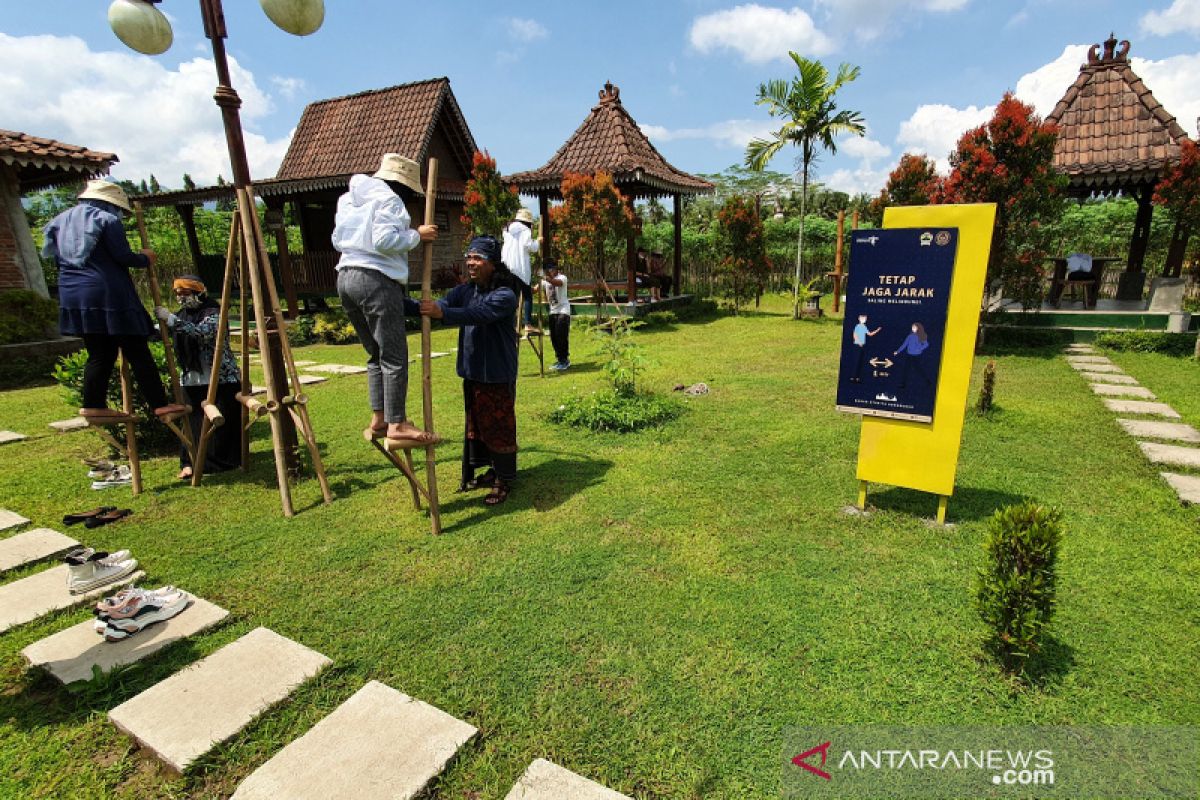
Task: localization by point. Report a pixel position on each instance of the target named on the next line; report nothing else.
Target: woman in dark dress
(97, 299)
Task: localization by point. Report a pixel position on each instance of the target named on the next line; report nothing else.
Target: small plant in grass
(988, 389)
(1016, 591)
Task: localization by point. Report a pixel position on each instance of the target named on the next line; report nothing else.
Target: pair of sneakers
(133, 609)
(560, 366)
(89, 569)
(118, 476)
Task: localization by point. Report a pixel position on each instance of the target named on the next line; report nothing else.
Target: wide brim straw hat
(107, 191)
(524, 215)
(395, 167)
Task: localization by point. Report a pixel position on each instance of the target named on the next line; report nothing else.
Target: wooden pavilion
(609, 140)
(335, 139)
(1115, 137)
(27, 164)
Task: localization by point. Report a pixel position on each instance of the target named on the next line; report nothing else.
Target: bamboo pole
(837, 262)
(156, 296)
(426, 349)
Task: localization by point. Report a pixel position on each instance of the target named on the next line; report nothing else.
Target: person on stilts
(519, 244)
(485, 309)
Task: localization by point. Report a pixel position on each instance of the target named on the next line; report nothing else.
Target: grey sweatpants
(375, 305)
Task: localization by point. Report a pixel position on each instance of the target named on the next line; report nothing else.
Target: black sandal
(485, 481)
(498, 494)
(83, 516)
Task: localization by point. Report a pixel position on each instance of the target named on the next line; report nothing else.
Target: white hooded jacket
(372, 229)
(518, 244)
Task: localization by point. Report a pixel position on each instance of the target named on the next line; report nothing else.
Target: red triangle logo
(802, 760)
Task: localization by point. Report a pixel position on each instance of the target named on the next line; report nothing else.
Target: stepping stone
(72, 654)
(189, 713)
(10, 519)
(46, 591)
(304, 363)
(1074, 360)
(68, 425)
(337, 369)
(1186, 486)
(10, 436)
(34, 545)
(1110, 369)
(1109, 377)
(1171, 454)
(548, 781)
(1080, 349)
(434, 354)
(1160, 430)
(305, 380)
(1141, 407)
(379, 744)
(1112, 390)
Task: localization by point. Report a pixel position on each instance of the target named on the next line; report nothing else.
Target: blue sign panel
(896, 302)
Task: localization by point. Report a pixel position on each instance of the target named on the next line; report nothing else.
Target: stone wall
(20, 267)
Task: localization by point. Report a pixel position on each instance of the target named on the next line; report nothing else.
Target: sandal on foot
(485, 481)
(84, 516)
(498, 494)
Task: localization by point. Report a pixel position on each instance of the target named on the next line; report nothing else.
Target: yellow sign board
(924, 456)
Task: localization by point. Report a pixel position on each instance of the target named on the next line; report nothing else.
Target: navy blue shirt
(487, 339)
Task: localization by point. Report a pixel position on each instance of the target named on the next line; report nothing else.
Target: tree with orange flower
(593, 220)
(914, 182)
(744, 265)
(1179, 193)
(488, 205)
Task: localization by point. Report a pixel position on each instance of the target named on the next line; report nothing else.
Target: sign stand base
(943, 502)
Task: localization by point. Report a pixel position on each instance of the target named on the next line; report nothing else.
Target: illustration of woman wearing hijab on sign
(914, 345)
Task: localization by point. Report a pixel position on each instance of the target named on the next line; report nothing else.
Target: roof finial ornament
(1111, 54)
(610, 93)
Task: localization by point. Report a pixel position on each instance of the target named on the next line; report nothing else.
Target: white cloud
(1046, 85)
(869, 19)
(759, 34)
(934, 130)
(863, 180)
(526, 30)
(156, 120)
(729, 133)
(1181, 15)
(290, 88)
(864, 147)
(1173, 82)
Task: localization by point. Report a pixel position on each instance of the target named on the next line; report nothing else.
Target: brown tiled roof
(610, 141)
(1112, 132)
(42, 163)
(345, 135)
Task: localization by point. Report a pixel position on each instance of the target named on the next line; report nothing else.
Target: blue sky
(526, 74)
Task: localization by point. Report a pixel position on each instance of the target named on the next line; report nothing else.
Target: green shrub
(699, 310)
(1171, 344)
(988, 389)
(660, 319)
(153, 437)
(26, 316)
(1016, 589)
(333, 327)
(621, 413)
(300, 331)
(1022, 337)
(623, 358)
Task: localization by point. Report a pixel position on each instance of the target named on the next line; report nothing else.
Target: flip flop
(84, 516)
(107, 517)
(498, 494)
(485, 481)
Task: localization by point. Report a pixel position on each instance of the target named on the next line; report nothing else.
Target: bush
(621, 413)
(660, 319)
(1016, 587)
(988, 389)
(300, 331)
(26, 316)
(1171, 344)
(1022, 337)
(333, 327)
(152, 436)
(698, 310)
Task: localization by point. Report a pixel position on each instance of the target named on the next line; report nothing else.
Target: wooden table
(1091, 286)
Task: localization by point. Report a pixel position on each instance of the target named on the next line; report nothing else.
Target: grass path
(647, 610)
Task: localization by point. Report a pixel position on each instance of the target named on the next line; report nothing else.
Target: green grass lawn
(648, 610)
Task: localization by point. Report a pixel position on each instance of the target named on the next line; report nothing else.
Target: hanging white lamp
(141, 26)
(299, 17)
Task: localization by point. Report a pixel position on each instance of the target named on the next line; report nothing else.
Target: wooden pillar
(187, 213)
(547, 234)
(1176, 251)
(631, 258)
(1141, 230)
(837, 262)
(277, 224)
(677, 256)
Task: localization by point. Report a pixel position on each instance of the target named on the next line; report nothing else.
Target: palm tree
(813, 120)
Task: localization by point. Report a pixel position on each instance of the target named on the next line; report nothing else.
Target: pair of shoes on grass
(560, 366)
(133, 609)
(89, 569)
(121, 476)
(97, 516)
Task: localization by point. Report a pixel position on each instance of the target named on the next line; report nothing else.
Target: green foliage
(1171, 344)
(623, 358)
(333, 327)
(1008, 338)
(988, 390)
(153, 437)
(617, 412)
(743, 267)
(1016, 587)
(593, 222)
(489, 205)
(26, 316)
(660, 319)
(300, 330)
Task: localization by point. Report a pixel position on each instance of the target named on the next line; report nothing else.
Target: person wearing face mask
(97, 298)
(194, 335)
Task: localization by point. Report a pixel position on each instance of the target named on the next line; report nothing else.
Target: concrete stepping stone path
(1141, 407)
(1149, 429)
(544, 780)
(337, 369)
(1074, 360)
(189, 713)
(68, 425)
(72, 654)
(305, 380)
(46, 591)
(1186, 486)
(1080, 349)
(1108, 369)
(1114, 390)
(11, 436)
(379, 744)
(10, 519)
(34, 545)
(1109, 378)
(1171, 454)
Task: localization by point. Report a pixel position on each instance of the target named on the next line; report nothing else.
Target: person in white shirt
(554, 287)
(519, 244)
(373, 232)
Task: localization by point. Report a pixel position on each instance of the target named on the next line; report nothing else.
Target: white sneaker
(153, 608)
(121, 476)
(127, 603)
(89, 575)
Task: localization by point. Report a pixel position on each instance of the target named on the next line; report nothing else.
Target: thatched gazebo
(27, 164)
(1115, 137)
(609, 140)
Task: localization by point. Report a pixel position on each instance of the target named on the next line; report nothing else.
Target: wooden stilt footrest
(392, 445)
(114, 419)
(257, 408)
(213, 413)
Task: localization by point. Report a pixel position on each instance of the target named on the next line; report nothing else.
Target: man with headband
(485, 309)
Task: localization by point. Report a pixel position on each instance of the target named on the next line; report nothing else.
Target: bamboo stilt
(435, 516)
(131, 448)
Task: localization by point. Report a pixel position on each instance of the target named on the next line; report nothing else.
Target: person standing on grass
(519, 244)
(373, 232)
(484, 310)
(98, 301)
(554, 287)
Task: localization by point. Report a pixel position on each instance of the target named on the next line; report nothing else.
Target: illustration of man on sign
(859, 336)
(916, 343)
